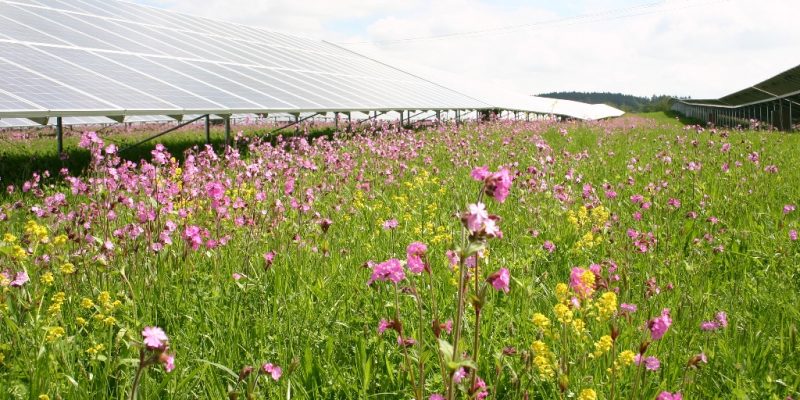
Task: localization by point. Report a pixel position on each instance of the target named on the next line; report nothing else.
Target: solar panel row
(90, 57)
(85, 58)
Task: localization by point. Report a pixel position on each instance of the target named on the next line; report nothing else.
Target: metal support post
(336, 121)
(208, 129)
(59, 135)
(227, 119)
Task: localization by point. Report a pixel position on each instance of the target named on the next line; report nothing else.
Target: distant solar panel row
(107, 57)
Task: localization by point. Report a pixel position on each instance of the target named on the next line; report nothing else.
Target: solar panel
(108, 57)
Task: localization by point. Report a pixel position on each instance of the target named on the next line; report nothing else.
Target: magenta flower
(628, 308)
(577, 283)
(269, 257)
(436, 396)
(460, 374)
(480, 173)
(390, 270)
(448, 326)
(650, 363)
(475, 217)
(168, 360)
(383, 326)
(273, 370)
(20, 279)
(405, 342)
(414, 253)
(549, 246)
(498, 185)
(722, 319)
(793, 235)
(709, 325)
(669, 396)
(154, 337)
(788, 208)
(659, 325)
(500, 280)
(390, 224)
(215, 190)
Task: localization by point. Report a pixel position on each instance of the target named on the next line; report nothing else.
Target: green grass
(312, 313)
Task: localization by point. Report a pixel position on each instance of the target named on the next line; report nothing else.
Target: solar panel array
(112, 58)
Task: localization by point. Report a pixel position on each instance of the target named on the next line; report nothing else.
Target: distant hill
(624, 102)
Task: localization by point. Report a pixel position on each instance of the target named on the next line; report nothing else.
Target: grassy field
(299, 256)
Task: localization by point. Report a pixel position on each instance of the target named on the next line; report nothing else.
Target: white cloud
(701, 48)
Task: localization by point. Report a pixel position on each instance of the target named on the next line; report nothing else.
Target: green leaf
(446, 349)
(222, 367)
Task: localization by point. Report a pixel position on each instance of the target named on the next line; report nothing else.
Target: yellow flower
(607, 305)
(94, 350)
(626, 358)
(602, 346)
(17, 252)
(563, 313)
(9, 238)
(587, 394)
(579, 325)
(59, 297)
(59, 240)
(81, 321)
(87, 303)
(68, 268)
(44, 397)
(541, 321)
(104, 297)
(47, 279)
(562, 292)
(110, 321)
(55, 333)
(539, 347)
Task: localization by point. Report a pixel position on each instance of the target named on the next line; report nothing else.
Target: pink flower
(709, 325)
(628, 308)
(500, 280)
(448, 326)
(669, 396)
(405, 342)
(475, 217)
(436, 396)
(577, 283)
(20, 279)
(269, 257)
(549, 246)
(154, 337)
(383, 326)
(460, 374)
(650, 363)
(168, 360)
(452, 257)
(237, 276)
(788, 208)
(390, 224)
(793, 235)
(390, 270)
(659, 325)
(273, 370)
(480, 173)
(722, 319)
(498, 185)
(414, 253)
(215, 190)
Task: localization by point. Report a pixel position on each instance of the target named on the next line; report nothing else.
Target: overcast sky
(697, 48)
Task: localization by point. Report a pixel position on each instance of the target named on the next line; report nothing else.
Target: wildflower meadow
(631, 258)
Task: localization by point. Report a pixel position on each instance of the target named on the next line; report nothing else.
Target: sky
(692, 48)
